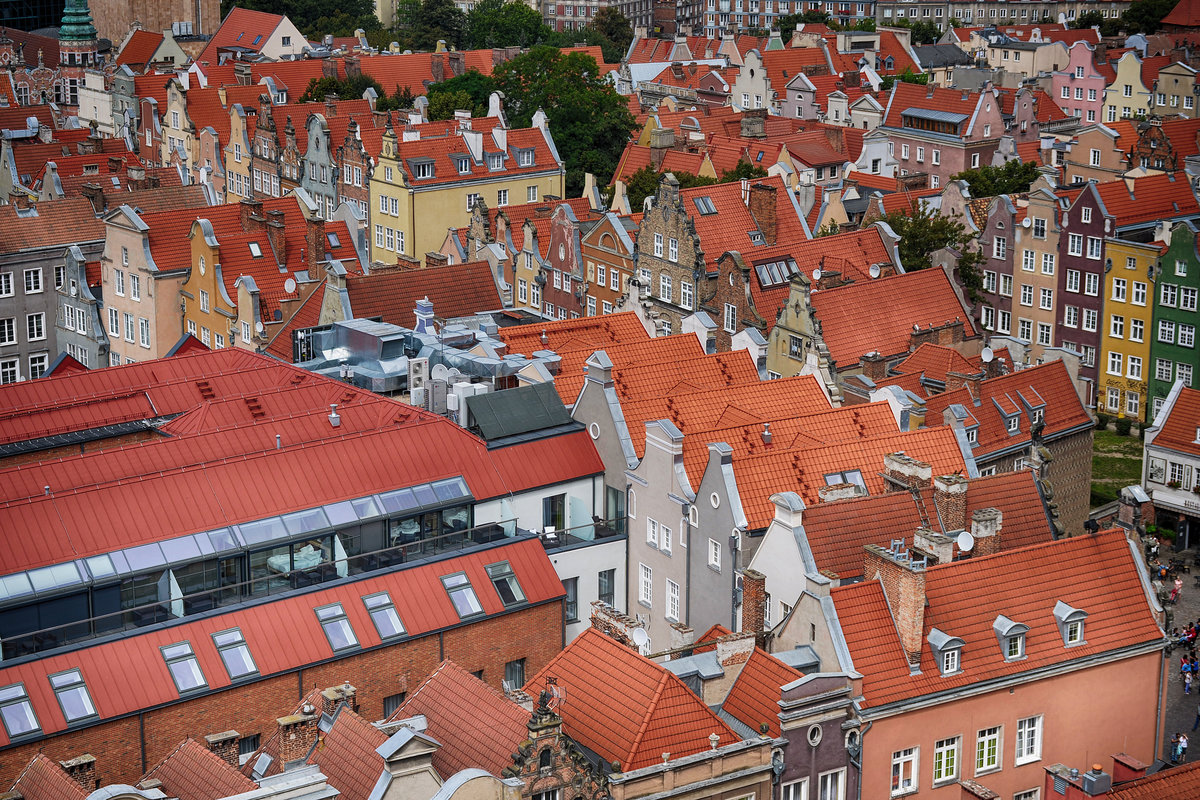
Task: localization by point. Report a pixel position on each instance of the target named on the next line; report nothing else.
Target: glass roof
(236, 538)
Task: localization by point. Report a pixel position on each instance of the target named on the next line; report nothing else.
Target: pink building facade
(1079, 87)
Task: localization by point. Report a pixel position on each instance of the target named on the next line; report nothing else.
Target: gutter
(1080, 428)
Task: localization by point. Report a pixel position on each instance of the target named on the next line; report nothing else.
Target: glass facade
(30, 15)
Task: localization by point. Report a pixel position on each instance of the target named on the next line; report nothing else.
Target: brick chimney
(736, 648)
(298, 734)
(957, 380)
(904, 585)
(437, 67)
(614, 624)
(329, 68)
(315, 243)
(331, 101)
(434, 260)
(242, 74)
(830, 278)
(95, 196)
(754, 123)
(458, 64)
(874, 366)
(353, 66)
(938, 548)
(985, 528)
(950, 497)
(225, 745)
(837, 491)
(912, 473)
(762, 209)
(276, 233)
(114, 163)
(82, 770)
(754, 601)
(335, 696)
(250, 215)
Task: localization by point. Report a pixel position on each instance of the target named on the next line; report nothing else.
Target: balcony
(598, 531)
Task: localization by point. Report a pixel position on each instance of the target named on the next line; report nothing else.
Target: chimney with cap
(225, 746)
(950, 498)
(873, 365)
(82, 770)
(906, 472)
(985, 528)
(336, 696)
(315, 243)
(297, 734)
(903, 579)
(754, 601)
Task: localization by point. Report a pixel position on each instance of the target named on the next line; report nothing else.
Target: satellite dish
(1025, 223)
(987, 355)
(640, 637)
(965, 542)
(874, 271)
(816, 274)
(289, 285)
(439, 372)
(258, 326)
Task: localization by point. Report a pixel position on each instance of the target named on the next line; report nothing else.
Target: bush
(1124, 425)
(1102, 421)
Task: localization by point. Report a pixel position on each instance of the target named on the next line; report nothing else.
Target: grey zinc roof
(936, 116)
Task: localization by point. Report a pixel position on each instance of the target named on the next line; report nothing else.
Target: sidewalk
(1181, 708)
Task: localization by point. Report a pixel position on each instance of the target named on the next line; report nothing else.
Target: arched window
(545, 759)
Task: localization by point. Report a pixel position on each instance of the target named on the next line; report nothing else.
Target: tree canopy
(352, 88)
(908, 76)
(989, 181)
(923, 31)
(1089, 19)
(470, 90)
(502, 23)
(644, 182)
(1146, 16)
(923, 232)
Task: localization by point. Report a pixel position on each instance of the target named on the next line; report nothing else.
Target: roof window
(1070, 623)
(233, 650)
(333, 240)
(705, 205)
(17, 712)
(255, 250)
(337, 627)
(383, 614)
(73, 696)
(184, 668)
(506, 584)
(1011, 636)
(458, 586)
(947, 651)
(853, 476)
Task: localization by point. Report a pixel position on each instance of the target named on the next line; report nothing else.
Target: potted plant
(1173, 484)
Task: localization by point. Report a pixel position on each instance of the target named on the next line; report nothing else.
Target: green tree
(590, 122)
(743, 170)
(922, 232)
(923, 31)
(439, 20)
(400, 98)
(989, 181)
(908, 76)
(1146, 16)
(612, 25)
(644, 182)
(789, 22)
(351, 88)
(828, 229)
(469, 90)
(502, 23)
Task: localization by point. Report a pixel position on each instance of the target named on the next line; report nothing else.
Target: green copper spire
(76, 22)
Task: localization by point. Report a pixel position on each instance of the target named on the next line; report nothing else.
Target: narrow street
(1182, 708)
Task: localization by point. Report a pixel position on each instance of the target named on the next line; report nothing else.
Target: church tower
(78, 50)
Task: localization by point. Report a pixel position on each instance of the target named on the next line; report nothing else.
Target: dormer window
(1070, 624)
(973, 435)
(422, 170)
(525, 158)
(1038, 415)
(495, 161)
(1013, 424)
(1011, 636)
(463, 164)
(947, 650)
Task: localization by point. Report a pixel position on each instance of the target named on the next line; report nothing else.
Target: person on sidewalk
(1183, 743)
(1175, 748)
(1187, 682)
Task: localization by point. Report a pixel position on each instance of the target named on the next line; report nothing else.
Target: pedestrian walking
(1187, 682)
(1176, 591)
(1175, 748)
(1183, 743)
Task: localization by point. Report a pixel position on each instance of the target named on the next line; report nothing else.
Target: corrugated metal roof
(930, 114)
(281, 634)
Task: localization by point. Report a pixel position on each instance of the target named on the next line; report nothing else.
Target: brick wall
(113, 17)
(534, 634)
(905, 590)
(1070, 473)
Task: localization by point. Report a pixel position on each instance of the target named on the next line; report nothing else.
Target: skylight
(184, 668)
(234, 652)
(255, 250)
(337, 627)
(333, 240)
(462, 594)
(383, 614)
(705, 205)
(73, 695)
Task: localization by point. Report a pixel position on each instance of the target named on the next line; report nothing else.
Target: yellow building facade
(1125, 340)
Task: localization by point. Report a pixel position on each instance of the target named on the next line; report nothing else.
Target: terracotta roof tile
(305, 315)
(597, 332)
(456, 290)
(1179, 430)
(1153, 197)
(42, 779)
(1049, 382)
(477, 726)
(1096, 573)
(657, 713)
(242, 28)
(933, 361)
(194, 772)
(1182, 781)
(912, 95)
(783, 65)
(879, 315)
(838, 530)
(1185, 14)
(346, 754)
(754, 698)
(140, 48)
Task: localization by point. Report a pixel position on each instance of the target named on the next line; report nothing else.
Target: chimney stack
(82, 770)
(297, 734)
(754, 123)
(950, 497)
(873, 365)
(276, 234)
(95, 196)
(837, 491)
(315, 245)
(225, 745)
(903, 582)
(754, 601)
(912, 473)
(1127, 768)
(614, 624)
(736, 648)
(250, 215)
(762, 210)
(331, 101)
(985, 528)
(335, 696)
(938, 548)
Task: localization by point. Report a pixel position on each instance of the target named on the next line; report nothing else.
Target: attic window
(495, 161)
(973, 435)
(506, 583)
(463, 164)
(383, 614)
(333, 240)
(337, 627)
(72, 694)
(1011, 636)
(257, 39)
(1070, 623)
(853, 476)
(255, 250)
(231, 645)
(466, 603)
(184, 668)
(1038, 415)
(17, 712)
(947, 650)
(757, 238)
(705, 205)
(422, 169)
(1013, 423)
(525, 158)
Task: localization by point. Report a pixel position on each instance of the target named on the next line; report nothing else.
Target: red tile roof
(912, 95)
(375, 436)
(729, 228)
(281, 634)
(1048, 383)
(838, 530)
(1181, 782)
(37, 47)
(194, 772)
(457, 290)
(1185, 14)
(933, 361)
(783, 65)
(598, 332)
(477, 726)
(656, 714)
(240, 28)
(902, 59)
(346, 754)
(1096, 574)
(15, 117)
(1150, 69)
(754, 698)
(879, 315)
(42, 779)
(140, 48)
(305, 315)
(1153, 197)
(1178, 431)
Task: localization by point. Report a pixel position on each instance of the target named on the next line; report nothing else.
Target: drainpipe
(862, 735)
(1158, 718)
